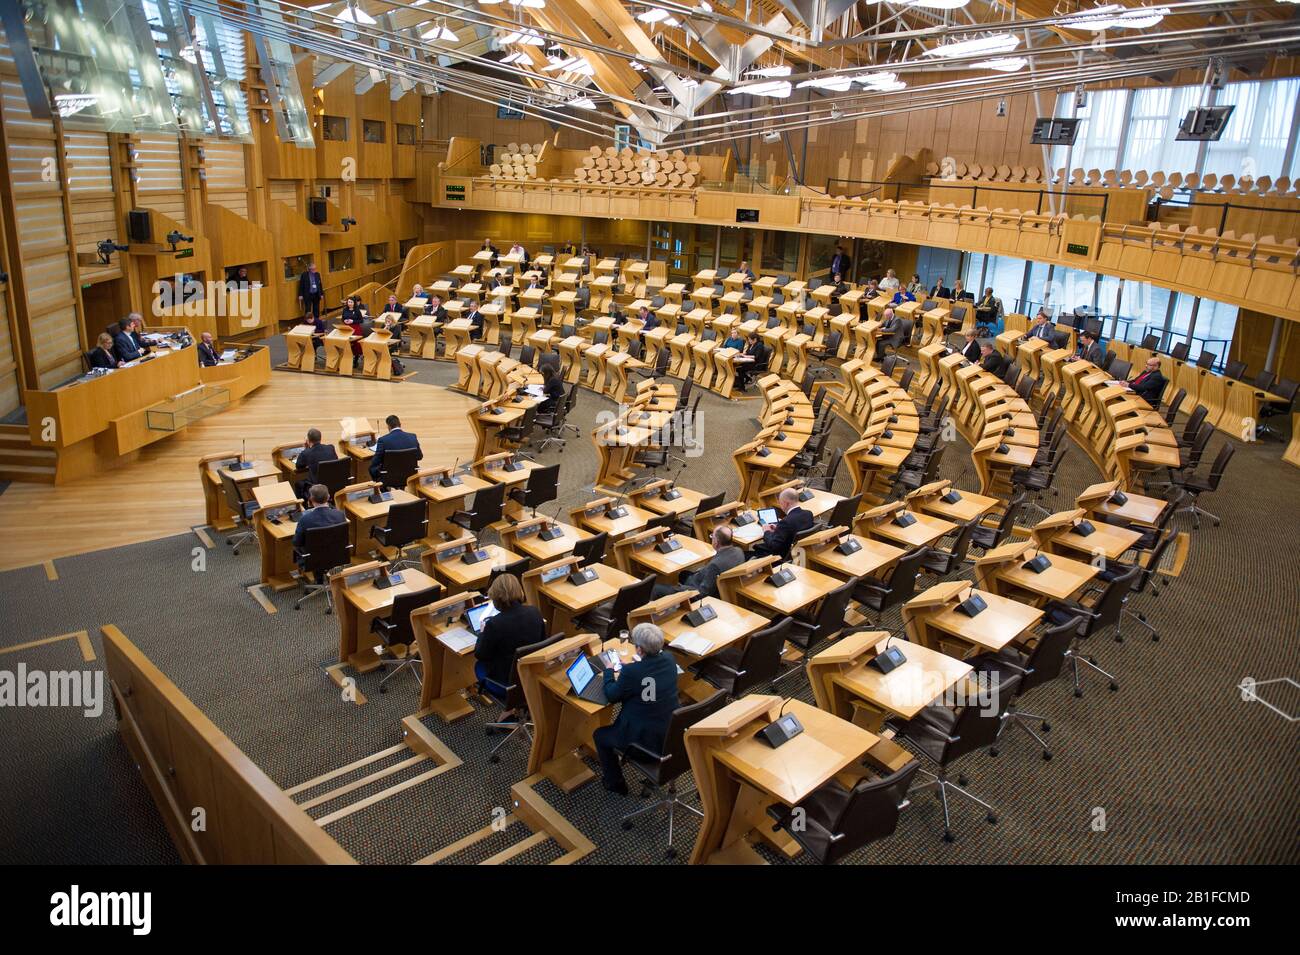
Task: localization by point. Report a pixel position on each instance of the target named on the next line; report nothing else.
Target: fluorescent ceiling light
(572, 64)
(658, 15)
(1003, 64)
(582, 102)
(777, 88)
(838, 84)
(770, 71)
(939, 4)
(529, 37)
(356, 15)
(440, 33)
(533, 4)
(514, 57)
(1112, 16)
(993, 43)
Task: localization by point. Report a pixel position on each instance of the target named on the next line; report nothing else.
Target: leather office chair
(335, 475)
(986, 538)
(1236, 370)
(527, 353)
(1194, 422)
(517, 435)
(1024, 386)
(1174, 404)
(1150, 342)
(505, 343)
(610, 617)
(514, 569)
(543, 486)
(1041, 664)
(943, 735)
(941, 563)
(512, 697)
(398, 466)
(1148, 566)
(1285, 389)
(1119, 369)
(395, 631)
(241, 511)
(1195, 485)
(1179, 352)
(825, 480)
(1264, 380)
(880, 595)
(685, 525)
(828, 620)
(323, 550)
(554, 425)
(591, 550)
(660, 368)
(737, 670)
(919, 469)
(486, 511)
(1037, 480)
(834, 822)
(406, 524)
(811, 455)
(659, 771)
(845, 509)
(1096, 611)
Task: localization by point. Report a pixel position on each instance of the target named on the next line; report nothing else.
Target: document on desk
(692, 643)
(682, 556)
(457, 639)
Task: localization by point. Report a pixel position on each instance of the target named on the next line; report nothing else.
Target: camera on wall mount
(105, 248)
(346, 223)
(174, 238)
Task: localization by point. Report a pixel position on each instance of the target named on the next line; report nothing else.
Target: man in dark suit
(840, 262)
(649, 320)
(991, 360)
(889, 333)
(319, 513)
(313, 453)
(208, 351)
(726, 555)
(939, 290)
(778, 538)
(125, 345)
(1089, 348)
(1042, 327)
(395, 440)
(1149, 385)
(552, 388)
(475, 322)
(311, 290)
(647, 688)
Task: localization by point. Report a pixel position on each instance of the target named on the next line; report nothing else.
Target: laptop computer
(477, 617)
(582, 674)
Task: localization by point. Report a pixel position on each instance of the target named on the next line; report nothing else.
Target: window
(334, 129)
(821, 249)
(340, 260)
(295, 265)
(373, 131)
(377, 253)
(1156, 115)
(406, 134)
(1255, 139)
(404, 247)
(780, 252)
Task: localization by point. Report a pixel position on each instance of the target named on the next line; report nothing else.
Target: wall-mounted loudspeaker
(139, 226)
(316, 211)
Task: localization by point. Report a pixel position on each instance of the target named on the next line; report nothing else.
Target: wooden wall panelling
(405, 111)
(336, 99)
(294, 236)
(375, 160)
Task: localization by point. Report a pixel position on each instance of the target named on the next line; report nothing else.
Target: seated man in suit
(988, 311)
(647, 688)
(475, 322)
(125, 345)
(991, 359)
(726, 555)
(971, 350)
(778, 538)
(1150, 384)
(939, 290)
(750, 360)
(1041, 327)
(208, 351)
(649, 320)
(1089, 348)
(394, 315)
(395, 440)
(319, 513)
(313, 453)
(889, 333)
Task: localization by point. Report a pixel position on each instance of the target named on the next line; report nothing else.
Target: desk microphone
(888, 659)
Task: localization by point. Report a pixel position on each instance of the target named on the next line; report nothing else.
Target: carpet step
(28, 473)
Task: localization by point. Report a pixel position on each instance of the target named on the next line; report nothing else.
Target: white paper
(682, 556)
(457, 639)
(692, 643)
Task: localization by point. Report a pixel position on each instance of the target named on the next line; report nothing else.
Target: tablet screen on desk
(480, 615)
(580, 673)
(767, 515)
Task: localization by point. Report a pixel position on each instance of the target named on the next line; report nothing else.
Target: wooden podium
(338, 350)
(447, 655)
(376, 359)
(301, 343)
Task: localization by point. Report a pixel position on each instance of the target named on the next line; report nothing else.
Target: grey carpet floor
(1183, 770)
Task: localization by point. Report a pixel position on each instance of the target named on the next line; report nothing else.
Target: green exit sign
(455, 194)
(185, 253)
(1075, 249)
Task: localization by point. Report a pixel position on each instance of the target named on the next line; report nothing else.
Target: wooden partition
(188, 765)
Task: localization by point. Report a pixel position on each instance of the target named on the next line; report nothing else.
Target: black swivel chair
(512, 697)
(756, 664)
(543, 486)
(398, 466)
(519, 434)
(987, 538)
(1174, 404)
(1148, 566)
(941, 563)
(609, 618)
(591, 550)
(323, 549)
(944, 735)
(1042, 664)
(660, 770)
(844, 511)
(880, 595)
(335, 475)
(241, 511)
(516, 569)
(406, 524)
(1195, 485)
(833, 821)
(686, 526)
(1236, 370)
(807, 633)
(555, 423)
(487, 510)
(1286, 390)
(395, 631)
(1097, 611)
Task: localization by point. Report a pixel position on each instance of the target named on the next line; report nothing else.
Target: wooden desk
(523, 538)
(845, 685)
(731, 625)
(738, 776)
(363, 513)
(1137, 509)
(376, 357)
(639, 553)
(423, 334)
(301, 343)
(879, 523)
(211, 468)
(446, 647)
(275, 522)
(445, 563)
(357, 601)
(562, 600)
(932, 620)
(650, 497)
(599, 522)
(1002, 571)
(929, 499)
(871, 560)
(808, 587)
(338, 352)
(444, 501)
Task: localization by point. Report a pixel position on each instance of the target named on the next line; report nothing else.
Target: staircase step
(29, 473)
(10, 455)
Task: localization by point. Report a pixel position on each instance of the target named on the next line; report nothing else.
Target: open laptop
(582, 674)
(477, 617)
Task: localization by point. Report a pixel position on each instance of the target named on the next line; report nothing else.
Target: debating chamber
(629, 432)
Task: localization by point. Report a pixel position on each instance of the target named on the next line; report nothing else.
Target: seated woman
(515, 625)
(354, 316)
(734, 339)
(102, 355)
(553, 388)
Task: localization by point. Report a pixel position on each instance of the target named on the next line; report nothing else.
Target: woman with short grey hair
(647, 688)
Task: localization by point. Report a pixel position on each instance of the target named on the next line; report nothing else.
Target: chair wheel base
(1046, 727)
(494, 759)
(383, 689)
(993, 751)
(962, 781)
(948, 836)
(1155, 638)
(1047, 755)
(1114, 687)
(627, 824)
(1078, 693)
(670, 853)
(992, 819)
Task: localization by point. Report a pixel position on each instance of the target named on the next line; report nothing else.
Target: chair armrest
(644, 754)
